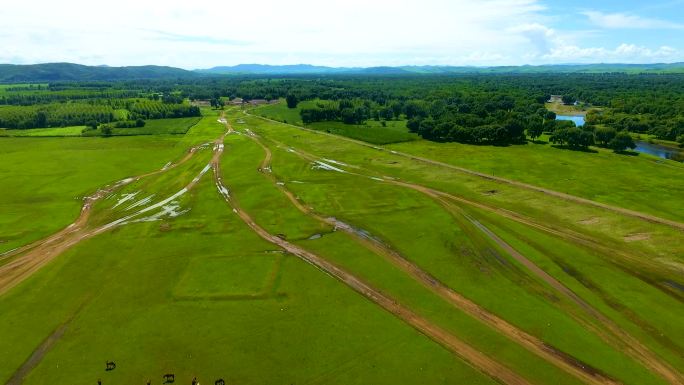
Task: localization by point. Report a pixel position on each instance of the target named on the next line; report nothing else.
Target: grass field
(57, 131)
(282, 255)
(371, 132)
(175, 126)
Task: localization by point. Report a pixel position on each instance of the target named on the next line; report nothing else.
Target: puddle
(637, 237)
(125, 198)
(318, 165)
(141, 202)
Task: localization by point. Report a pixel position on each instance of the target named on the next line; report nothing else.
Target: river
(660, 151)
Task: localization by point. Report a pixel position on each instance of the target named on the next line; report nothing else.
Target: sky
(350, 33)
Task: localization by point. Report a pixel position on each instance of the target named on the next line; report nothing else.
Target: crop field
(263, 252)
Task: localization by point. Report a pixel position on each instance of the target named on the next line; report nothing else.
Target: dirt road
(612, 334)
(562, 360)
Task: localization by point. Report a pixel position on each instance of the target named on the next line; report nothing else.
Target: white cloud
(624, 53)
(341, 33)
(628, 21)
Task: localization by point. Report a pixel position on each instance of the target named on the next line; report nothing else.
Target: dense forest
(469, 108)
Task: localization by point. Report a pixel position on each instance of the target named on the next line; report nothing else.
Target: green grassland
(360, 196)
(372, 131)
(56, 131)
(45, 179)
(641, 183)
(310, 329)
(189, 288)
(176, 126)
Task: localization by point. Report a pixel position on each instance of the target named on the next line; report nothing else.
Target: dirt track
(30, 258)
(573, 198)
(439, 335)
(531, 343)
(612, 334)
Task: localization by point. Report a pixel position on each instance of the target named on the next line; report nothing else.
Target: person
(99, 382)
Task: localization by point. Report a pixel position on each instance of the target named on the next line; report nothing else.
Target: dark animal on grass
(111, 365)
(169, 378)
(219, 382)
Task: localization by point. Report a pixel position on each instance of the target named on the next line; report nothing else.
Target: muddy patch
(315, 236)
(637, 237)
(589, 221)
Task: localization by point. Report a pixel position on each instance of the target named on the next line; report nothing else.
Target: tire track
(32, 257)
(560, 359)
(613, 335)
(470, 355)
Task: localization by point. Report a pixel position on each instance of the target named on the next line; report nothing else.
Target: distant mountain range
(10, 73)
(306, 69)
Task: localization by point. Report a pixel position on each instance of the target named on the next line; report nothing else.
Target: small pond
(578, 119)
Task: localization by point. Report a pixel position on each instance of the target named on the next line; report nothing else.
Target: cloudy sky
(202, 34)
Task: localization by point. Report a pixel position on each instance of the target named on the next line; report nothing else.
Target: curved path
(30, 258)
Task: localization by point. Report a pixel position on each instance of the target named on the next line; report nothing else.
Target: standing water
(577, 119)
(664, 152)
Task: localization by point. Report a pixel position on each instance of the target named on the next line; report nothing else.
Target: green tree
(535, 129)
(292, 100)
(604, 135)
(106, 130)
(621, 142)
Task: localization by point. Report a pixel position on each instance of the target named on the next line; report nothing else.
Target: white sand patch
(166, 166)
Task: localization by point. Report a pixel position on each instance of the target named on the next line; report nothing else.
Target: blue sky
(203, 34)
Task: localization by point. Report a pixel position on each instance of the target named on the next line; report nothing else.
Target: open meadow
(238, 247)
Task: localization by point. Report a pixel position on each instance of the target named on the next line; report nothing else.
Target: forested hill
(306, 69)
(50, 72)
(67, 71)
